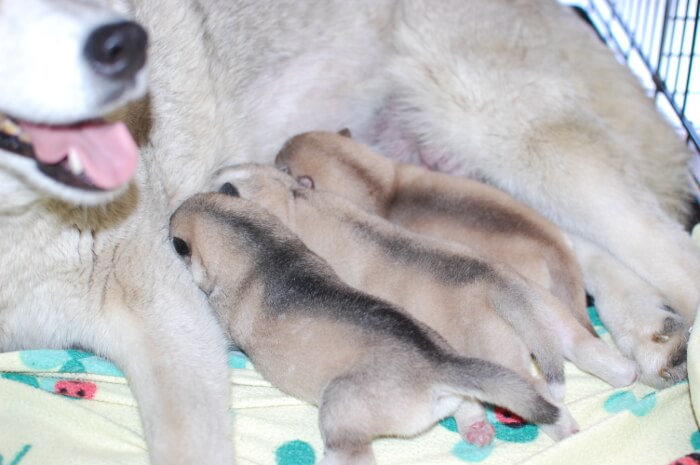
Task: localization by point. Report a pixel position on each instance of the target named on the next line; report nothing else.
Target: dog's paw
(656, 338)
(661, 352)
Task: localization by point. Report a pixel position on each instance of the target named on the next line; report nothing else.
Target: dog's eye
(181, 247)
(229, 189)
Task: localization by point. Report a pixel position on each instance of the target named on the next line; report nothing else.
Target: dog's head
(66, 65)
(263, 184)
(204, 232)
(335, 162)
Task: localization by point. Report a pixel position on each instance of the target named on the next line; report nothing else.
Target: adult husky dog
(519, 94)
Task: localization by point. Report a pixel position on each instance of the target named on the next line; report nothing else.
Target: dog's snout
(117, 50)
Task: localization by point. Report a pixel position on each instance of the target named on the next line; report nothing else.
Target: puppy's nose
(117, 50)
(229, 189)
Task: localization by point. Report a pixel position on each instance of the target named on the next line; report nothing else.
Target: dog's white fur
(519, 94)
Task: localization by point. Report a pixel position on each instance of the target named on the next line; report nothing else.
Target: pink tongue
(107, 152)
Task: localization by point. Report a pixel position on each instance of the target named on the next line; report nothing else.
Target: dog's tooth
(10, 128)
(74, 163)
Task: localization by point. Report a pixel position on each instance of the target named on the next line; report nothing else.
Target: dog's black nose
(117, 50)
(229, 189)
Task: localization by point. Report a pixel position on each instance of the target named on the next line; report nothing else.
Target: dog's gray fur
(516, 93)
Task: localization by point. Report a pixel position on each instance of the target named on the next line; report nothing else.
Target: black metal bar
(691, 57)
(684, 20)
(668, 32)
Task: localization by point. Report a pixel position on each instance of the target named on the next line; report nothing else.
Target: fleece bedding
(72, 408)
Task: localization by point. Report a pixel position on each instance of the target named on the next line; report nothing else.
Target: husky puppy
(490, 221)
(472, 303)
(371, 369)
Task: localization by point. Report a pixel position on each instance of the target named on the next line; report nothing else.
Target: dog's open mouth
(92, 155)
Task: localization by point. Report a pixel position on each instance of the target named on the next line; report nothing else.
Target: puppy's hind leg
(346, 420)
(402, 396)
(578, 345)
(473, 425)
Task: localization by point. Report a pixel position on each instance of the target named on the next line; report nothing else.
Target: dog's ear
(229, 189)
(306, 181)
(345, 132)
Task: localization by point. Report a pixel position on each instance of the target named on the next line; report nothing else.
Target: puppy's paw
(480, 433)
(473, 425)
(564, 427)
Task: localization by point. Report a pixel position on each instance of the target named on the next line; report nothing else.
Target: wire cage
(659, 41)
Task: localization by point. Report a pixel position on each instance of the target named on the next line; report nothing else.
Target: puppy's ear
(229, 189)
(345, 132)
(306, 181)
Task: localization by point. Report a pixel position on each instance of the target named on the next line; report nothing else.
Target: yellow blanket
(71, 408)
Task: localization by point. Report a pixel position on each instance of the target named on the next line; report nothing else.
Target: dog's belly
(316, 90)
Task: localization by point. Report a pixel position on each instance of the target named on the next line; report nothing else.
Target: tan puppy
(490, 221)
(474, 304)
(371, 369)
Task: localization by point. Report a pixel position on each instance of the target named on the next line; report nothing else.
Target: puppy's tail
(519, 307)
(495, 384)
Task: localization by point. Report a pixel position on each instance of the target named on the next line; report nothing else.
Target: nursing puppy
(371, 369)
(490, 221)
(475, 305)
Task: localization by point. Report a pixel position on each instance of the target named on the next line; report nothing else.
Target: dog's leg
(636, 314)
(650, 245)
(564, 158)
(172, 351)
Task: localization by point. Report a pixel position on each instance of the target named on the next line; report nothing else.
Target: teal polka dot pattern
(595, 321)
(238, 360)
(695, 440)
(68, 361)
(471, 453)
(22, 378)
(449, 424)
(626, 400)
(295, 453)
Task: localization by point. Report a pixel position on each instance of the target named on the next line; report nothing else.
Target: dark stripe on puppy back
(299, 288)
(404, 249)
(297, 280)
(474, 212)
